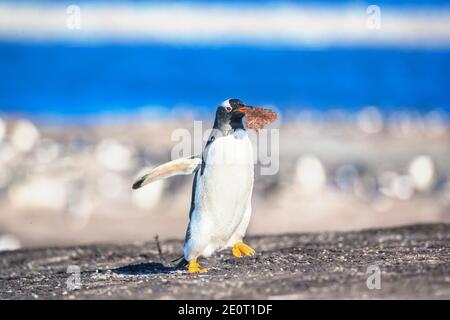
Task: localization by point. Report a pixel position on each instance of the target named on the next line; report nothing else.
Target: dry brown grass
(258, 118)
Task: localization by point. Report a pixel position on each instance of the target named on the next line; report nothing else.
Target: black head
(229, 115)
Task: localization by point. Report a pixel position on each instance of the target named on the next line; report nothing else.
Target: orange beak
(244, 110)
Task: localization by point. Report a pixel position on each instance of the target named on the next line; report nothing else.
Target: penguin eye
(228, 108)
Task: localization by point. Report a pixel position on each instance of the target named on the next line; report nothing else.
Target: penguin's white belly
(223, 195)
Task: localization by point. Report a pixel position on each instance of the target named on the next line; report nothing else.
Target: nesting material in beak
(258, 118)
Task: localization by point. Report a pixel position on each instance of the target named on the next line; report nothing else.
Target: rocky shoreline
(413, 262)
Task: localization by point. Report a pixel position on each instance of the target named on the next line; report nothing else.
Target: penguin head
(230, 113)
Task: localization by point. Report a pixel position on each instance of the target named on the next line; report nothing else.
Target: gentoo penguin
(222, 188)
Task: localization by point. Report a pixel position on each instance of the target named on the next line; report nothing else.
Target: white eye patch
(226, 105)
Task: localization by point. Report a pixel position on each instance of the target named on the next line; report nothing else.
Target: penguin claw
(194, 267)
(240, 249)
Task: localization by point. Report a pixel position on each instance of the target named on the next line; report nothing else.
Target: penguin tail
(180, 262)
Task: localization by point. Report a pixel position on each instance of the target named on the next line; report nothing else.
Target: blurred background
(91, 91)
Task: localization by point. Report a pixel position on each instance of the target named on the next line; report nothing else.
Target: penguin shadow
(150, 268)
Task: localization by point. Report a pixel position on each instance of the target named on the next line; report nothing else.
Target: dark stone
(414, 263)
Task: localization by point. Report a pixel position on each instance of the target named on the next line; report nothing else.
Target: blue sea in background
(76, 80)
(79, 80)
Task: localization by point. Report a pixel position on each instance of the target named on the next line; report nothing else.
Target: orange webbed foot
(241, 249)
(194, 267)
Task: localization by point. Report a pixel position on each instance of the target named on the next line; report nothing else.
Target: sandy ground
(74, 186)
(414, 262)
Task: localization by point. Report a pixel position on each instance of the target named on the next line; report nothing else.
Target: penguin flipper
(180, 166)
